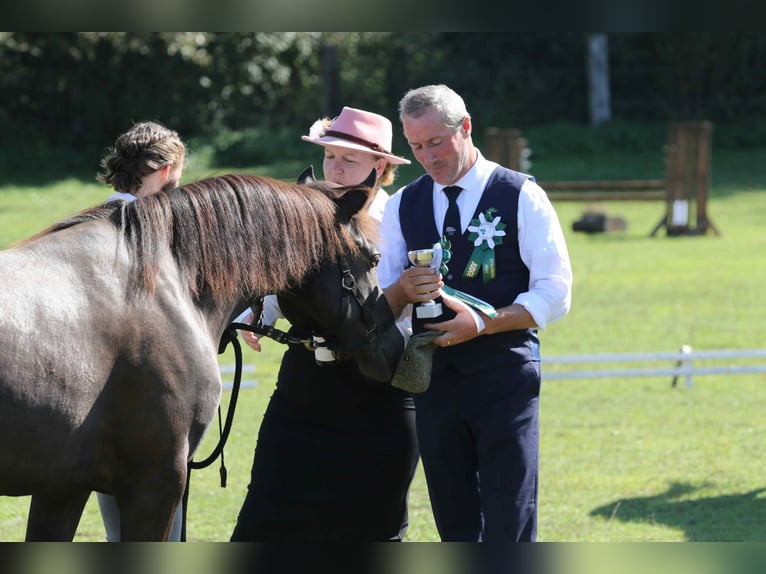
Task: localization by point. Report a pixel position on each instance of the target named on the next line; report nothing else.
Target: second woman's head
(145, 159)
(355, 143)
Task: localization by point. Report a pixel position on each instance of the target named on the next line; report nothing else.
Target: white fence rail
(684, 366)
(227, 374)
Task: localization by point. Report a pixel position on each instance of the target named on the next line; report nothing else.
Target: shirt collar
(474, 178)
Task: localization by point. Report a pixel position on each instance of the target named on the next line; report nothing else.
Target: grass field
(621, 460)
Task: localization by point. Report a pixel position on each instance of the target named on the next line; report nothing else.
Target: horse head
(354, 320)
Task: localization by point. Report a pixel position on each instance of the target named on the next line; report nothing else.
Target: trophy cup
(426, 258)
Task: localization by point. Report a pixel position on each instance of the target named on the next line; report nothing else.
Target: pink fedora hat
(358, 130)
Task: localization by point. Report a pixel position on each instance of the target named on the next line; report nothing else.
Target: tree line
(78, 90)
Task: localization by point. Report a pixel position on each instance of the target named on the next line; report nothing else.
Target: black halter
(350, 289)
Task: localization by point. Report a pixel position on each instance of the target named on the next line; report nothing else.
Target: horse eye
(374, 259)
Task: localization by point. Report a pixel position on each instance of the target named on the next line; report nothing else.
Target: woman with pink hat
(336, 452)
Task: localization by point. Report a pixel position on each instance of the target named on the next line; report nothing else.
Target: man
(477, 423)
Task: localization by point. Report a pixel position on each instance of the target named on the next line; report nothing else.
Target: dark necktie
(452, 227)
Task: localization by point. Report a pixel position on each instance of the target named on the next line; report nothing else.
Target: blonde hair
(389, 175)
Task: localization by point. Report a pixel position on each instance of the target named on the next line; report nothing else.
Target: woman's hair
(388, 176)
(143, 149)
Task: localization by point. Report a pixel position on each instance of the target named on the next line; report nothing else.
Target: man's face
(444, 152)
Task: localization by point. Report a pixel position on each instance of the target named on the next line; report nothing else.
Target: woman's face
(174, 177)
(349, 167)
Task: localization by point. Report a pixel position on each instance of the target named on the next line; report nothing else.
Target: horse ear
(307, 176)
(371, 179)
(350, 203)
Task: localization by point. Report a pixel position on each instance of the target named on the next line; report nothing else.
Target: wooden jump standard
(684, 189)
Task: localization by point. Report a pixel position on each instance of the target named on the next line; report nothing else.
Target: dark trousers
(479, 443)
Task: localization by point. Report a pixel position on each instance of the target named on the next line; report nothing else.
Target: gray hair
(440, 97)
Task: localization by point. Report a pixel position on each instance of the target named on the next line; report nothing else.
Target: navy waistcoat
(512, 275)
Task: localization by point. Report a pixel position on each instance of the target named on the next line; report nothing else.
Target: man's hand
(420, 284)
(464, 326)
(415, 285)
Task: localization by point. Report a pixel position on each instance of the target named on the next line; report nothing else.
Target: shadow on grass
(734, 517)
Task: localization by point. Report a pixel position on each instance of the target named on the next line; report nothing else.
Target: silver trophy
(426, 258)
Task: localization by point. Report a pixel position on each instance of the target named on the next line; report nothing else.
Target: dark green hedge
(68, 95)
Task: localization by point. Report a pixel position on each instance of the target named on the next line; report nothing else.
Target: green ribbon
(486, 232)
(471, 301)
(446, 246)
(443, 255)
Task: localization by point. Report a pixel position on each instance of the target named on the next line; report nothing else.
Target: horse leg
(53, 517)
(148, 517)
(148, 510)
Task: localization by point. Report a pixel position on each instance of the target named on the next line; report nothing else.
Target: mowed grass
(629, 459)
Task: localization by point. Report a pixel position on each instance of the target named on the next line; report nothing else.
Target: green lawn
(629, 459)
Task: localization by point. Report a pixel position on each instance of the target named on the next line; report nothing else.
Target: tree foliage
(78, 91)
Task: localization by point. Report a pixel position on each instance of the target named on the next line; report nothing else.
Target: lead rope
(229, 336)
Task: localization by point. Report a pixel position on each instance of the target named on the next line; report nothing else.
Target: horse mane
(232, 234)
(100, 211)
(240, 234)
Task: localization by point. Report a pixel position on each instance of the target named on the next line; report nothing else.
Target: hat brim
(339, 142)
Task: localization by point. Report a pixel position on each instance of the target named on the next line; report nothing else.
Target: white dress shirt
(121, 195)
(541, 241)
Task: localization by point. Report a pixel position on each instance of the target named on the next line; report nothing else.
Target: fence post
(507, 147)
(686, 362)
(687, 179)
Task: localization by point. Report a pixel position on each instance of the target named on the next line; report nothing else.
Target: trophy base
(428, 311)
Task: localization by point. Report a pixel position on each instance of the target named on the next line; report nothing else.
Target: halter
(350, 289)
(348, 282)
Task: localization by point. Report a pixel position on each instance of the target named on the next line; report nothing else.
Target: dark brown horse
(110, 324)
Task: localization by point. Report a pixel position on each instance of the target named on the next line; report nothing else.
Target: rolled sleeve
(544, 251)
(393, 247)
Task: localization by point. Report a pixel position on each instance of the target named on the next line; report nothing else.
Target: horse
(110, 323)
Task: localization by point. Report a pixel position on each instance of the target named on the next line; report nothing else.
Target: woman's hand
(253, 340)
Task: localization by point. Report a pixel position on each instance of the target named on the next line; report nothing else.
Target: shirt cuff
(477, 319)
(536, 307)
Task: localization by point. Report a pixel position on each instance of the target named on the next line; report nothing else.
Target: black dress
(335, 456)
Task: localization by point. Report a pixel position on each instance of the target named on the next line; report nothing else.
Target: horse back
(82, 362)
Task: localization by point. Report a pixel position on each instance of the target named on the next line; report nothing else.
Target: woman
(336, 452)
(146, 159)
